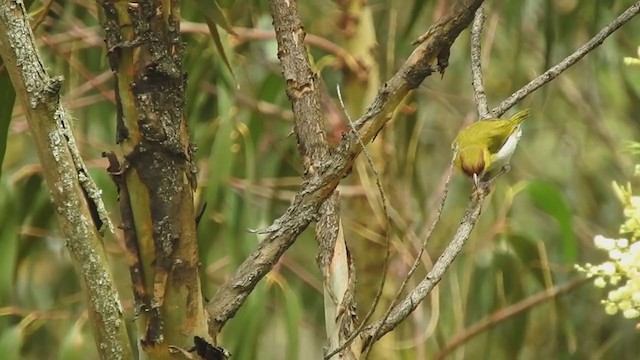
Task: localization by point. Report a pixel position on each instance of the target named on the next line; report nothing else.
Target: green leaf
(214, 16)
(11, 341)
(213, 12)
(8, 243)
(293, 318)
(512, 332)
(548, 198)
(221, 164)
(512, 335)
(250, 321)
(528, 253)
(7, 99)
(508, 268)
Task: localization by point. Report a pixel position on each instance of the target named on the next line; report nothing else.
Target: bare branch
(570, 60)
(302, 86)
(387, 243)
(78, 205)
(302, 90)
(316, 189)
(476, 65)
(417, 261)
(377, 330)
(411, 301)
(507, 313)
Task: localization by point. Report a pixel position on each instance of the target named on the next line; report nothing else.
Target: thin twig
(244, 35)
(506, 314)
(387, 242)
(44, 10)
(570, 60)
(417, 261)
(260, 106)
(476, 65)
(411, 301)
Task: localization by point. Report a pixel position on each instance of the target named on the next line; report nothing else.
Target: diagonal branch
(376, 330)
(302, 89)
(508, 313)
(373, 334)
(411, 301)
(316, 189)
(570, 60)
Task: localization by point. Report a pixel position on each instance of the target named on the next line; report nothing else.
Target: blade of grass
(7, 99)
(214, 16)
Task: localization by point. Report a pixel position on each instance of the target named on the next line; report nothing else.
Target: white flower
(608, 268)
(622, 269)
(625, 292)
(622, 243)
(614, 295)
(611, 308)
(631, 313)
(626, 261)
(630, 61)
(615, 254)
(625, 305)
(604, 243)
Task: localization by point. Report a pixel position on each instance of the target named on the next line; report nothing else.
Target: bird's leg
(503, 170)
(480, 186)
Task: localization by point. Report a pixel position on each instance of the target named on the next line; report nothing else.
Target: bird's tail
(519, 117)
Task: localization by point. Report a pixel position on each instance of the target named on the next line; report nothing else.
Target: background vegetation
(539, 221)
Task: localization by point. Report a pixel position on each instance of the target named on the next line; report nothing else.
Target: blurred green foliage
(539, 221)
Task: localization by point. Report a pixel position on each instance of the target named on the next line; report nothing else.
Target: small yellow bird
(487, 145)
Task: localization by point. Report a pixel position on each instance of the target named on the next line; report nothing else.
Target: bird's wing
(498, 134)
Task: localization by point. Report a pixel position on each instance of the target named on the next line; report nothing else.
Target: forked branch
(320, 185)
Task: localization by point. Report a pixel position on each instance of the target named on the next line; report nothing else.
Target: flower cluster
(622, 270)
(631, 60)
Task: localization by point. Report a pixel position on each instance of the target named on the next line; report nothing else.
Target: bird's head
(473, 161)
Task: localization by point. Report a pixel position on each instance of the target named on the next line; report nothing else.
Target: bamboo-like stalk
(156, 177)
(76, 198)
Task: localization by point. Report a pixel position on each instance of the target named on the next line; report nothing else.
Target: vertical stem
(76, 198)
(156, 178)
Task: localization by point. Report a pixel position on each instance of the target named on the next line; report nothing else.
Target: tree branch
(570, 60)
(476, 65)
(316, 189)
(376, 330)
(473, 211)
(351, 335)
(507, 313)
(373, 334)
(76, 198)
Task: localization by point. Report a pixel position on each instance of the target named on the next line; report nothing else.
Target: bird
(486, 146)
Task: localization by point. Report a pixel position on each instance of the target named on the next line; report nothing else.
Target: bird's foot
(481, 186)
